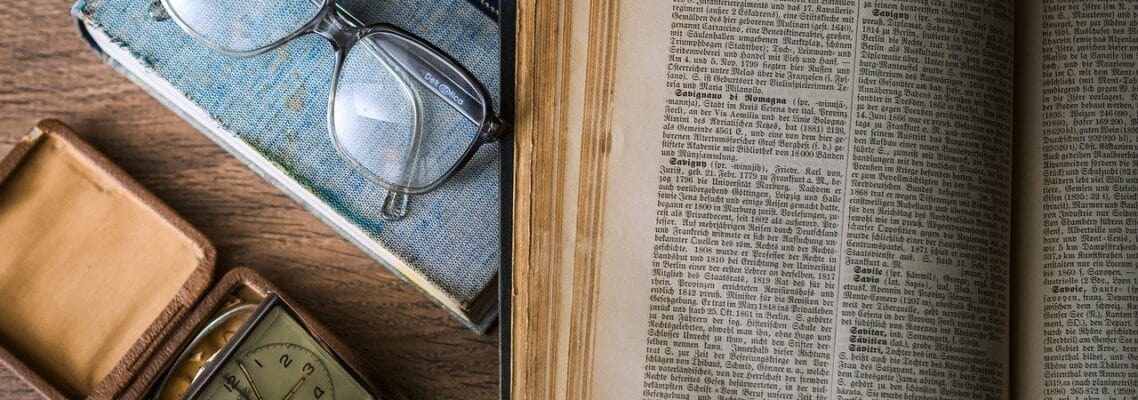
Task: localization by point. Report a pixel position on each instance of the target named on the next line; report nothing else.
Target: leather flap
(95, 271)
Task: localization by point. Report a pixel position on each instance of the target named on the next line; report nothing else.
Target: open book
(835, 199)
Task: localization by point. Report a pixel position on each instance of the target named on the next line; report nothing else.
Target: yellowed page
(550, 86)
(1086, 328)
(804, 200)
(578, 28)
(622, 291)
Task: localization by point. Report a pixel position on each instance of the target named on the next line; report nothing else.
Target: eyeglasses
(401, 111)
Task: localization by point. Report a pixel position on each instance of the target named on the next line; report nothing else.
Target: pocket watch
(273, 356)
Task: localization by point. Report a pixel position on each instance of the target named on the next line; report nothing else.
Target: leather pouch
(102, 285)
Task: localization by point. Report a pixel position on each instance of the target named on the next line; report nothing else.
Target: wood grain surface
(46, 71)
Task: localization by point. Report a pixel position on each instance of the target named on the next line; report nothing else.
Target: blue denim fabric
(277, 103)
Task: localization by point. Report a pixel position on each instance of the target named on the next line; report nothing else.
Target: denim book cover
(270, 112)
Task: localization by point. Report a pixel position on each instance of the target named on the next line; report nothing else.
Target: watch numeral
(258, 363)
(318, 392)
(231, 382)
(308, 369)
(285, 360)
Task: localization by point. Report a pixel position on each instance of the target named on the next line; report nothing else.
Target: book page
(1086, 319)
(806, 200)
(547, 150)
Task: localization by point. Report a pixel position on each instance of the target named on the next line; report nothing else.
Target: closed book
(270, 112)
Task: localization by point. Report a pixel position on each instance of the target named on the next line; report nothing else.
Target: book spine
(505, 272)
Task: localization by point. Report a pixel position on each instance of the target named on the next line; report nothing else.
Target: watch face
(276, 358)
(210, 340)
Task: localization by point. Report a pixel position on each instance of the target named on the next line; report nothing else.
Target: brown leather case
(102, 285)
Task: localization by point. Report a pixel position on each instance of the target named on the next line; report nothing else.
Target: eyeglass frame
(332, 23)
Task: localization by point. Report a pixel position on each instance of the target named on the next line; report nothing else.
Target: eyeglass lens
(244, 25)
(400, 114)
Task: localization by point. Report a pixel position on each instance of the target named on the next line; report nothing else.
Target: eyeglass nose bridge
(340, 32)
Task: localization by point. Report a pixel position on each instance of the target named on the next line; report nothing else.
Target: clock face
(278, 359)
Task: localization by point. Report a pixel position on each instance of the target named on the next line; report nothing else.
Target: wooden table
(46, 71)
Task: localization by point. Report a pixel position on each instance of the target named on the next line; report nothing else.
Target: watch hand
(250, 379)
(294, 387)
